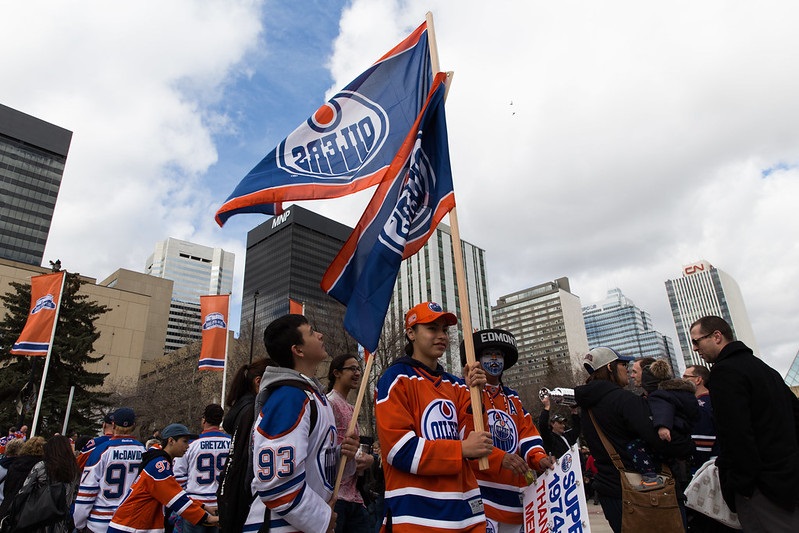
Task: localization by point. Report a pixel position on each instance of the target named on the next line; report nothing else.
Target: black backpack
(234, 496)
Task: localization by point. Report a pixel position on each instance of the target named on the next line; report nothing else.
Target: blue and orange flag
(399, 219)
(348, 144)
(45, 300)
(214, 312)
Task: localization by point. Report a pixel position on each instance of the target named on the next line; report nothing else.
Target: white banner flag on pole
(556, 501)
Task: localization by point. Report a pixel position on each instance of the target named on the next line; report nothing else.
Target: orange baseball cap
(427, 312)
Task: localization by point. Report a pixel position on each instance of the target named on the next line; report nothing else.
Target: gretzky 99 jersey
(513, 431)
(198, 470)
(294, 464)
(108, 474)
(422, 417)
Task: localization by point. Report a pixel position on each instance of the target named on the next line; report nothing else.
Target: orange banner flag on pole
(296, 308)
(37, 335)
(214, 312)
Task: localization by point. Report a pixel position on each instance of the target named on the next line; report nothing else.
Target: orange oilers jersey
(422, 416)
(513, 431)
(154, 494)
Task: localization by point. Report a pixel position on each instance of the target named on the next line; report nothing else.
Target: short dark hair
(279, 337)
(644, 361)
(213, 414)
(337, 364)
(709, 324)
(701, 371)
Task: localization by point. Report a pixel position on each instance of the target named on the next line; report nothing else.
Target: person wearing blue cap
(156, 493)
(108, 474)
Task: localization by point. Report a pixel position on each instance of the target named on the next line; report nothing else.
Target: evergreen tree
(20, 376)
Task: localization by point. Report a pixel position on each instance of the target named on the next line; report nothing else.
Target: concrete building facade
(131, 332)
(32, 158)
(705, 290)
(547, 321)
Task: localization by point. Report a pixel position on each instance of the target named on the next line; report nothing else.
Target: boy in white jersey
(108, 474)
(198, 470)
(295, 457)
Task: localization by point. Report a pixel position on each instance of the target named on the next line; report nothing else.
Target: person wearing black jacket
(622, 415)
(757, 420)
(234, 495)
(557, 439)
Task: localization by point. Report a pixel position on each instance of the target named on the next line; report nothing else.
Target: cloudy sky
(608, 142)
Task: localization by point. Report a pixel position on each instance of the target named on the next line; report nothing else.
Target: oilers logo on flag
(327, 458)
(343, 135)
(214, 320)
(503, 430)
(439, 421)
(45, 302)
(411, 216)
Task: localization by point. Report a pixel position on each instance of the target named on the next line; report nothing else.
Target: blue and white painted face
(493, 362)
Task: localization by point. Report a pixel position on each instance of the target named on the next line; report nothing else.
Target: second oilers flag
(38, 331)
(214, 313)
(348, 144)
(399, 219)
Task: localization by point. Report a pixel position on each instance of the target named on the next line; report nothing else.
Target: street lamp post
(252, 331)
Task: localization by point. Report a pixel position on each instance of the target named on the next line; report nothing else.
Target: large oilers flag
(38, 331)
(214, 313)
(348, 144)
(400, 218)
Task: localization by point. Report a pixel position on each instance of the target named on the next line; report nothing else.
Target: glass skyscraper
(792, 376)
(195, 270)
(618, 323)
(32, 158)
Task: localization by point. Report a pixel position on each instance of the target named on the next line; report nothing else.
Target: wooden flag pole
(353, 421)
(476, 393)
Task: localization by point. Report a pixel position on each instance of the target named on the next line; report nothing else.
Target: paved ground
(597, 519)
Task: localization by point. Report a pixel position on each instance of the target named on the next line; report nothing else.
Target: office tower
(430, 276)
(286, 258)
(32, 157)
(195, 270)
(547, 321)
(618, 323)
(705, 290)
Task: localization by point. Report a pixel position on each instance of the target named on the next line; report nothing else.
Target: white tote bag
(704, 495)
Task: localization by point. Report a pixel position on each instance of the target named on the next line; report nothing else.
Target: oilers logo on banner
(503, 430)
(214, 320)
(341, 136)
(440, 421)
(566, 463)
(410, 218)
(327, 459)
(45, 302)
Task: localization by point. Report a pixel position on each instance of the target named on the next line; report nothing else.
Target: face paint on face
(493, 362)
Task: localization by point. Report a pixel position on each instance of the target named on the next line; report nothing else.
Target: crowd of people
(287, 455)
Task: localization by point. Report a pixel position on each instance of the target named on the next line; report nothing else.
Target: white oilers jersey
(198, 470)
(108, 474)
(295, 466)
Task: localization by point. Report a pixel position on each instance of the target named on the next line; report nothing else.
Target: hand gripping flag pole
(460, 271)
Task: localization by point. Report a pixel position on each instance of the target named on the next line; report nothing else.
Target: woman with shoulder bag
(621, 417)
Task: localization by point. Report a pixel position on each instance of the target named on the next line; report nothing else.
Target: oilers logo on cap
(439, 421)
(214, 320)
(342, 135)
